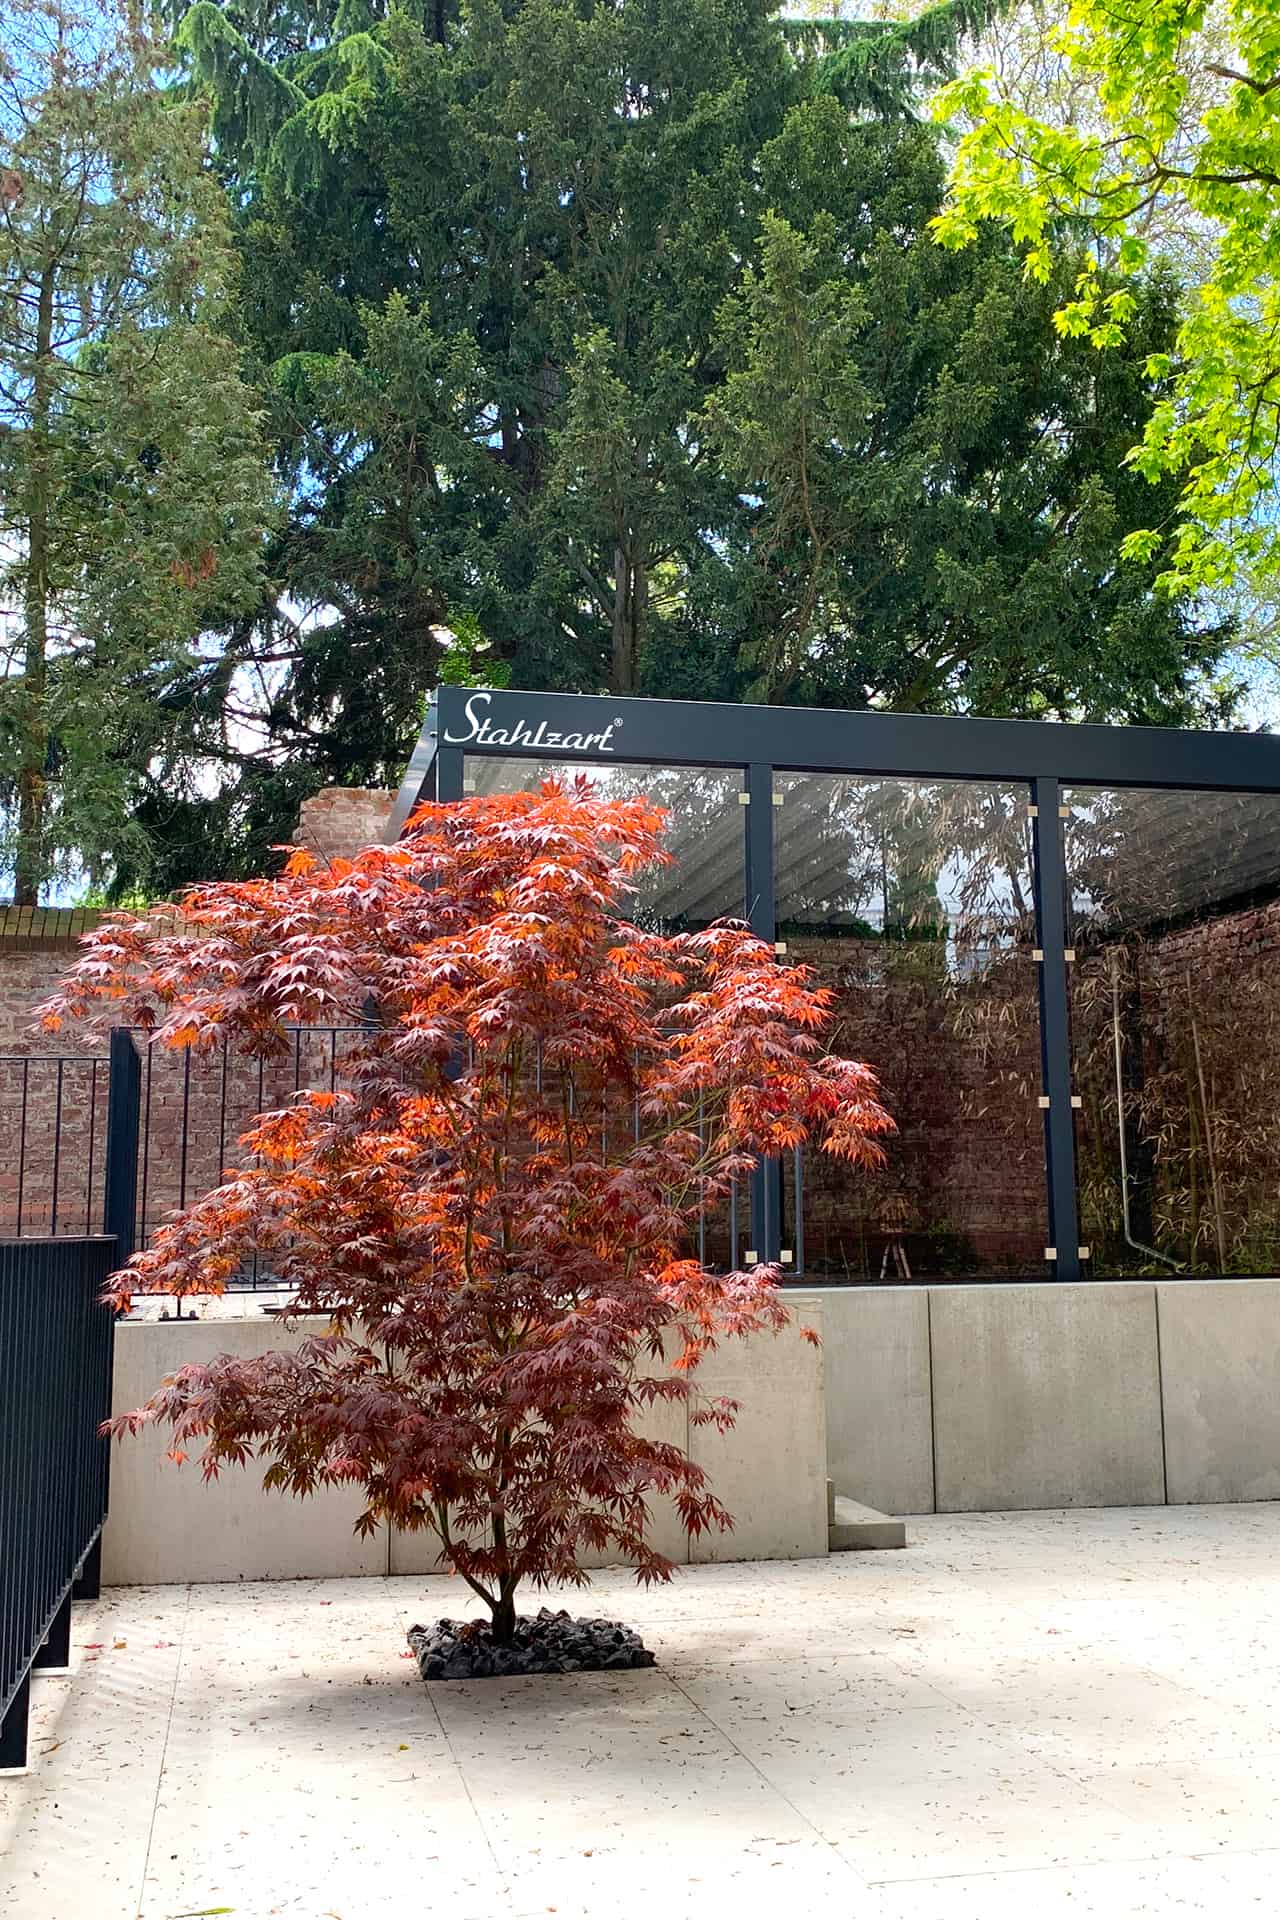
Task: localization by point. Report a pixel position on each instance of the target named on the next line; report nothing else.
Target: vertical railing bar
(120, 1187)
(146, 1147)
(186, 1126)
(22, 1142)
(93, 1118)
(57, 1151)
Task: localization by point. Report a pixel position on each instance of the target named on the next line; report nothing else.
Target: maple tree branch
(1260, 87)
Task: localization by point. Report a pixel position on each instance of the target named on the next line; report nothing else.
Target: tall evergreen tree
(937, 482)
(133, 484)
(610, 331)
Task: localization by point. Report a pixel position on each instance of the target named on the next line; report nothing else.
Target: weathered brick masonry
(338, 821)
(963, 1190)
(193, 1109)
(40, 1100)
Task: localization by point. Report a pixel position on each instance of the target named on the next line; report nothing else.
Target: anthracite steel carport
(1194, 808)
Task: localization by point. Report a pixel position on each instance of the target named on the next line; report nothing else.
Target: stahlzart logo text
(481, 732)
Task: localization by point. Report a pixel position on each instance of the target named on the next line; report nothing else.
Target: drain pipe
(1177, 1266)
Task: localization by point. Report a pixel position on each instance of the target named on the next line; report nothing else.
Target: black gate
(56, 1349)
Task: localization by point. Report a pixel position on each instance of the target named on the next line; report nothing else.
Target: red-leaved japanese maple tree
(496, 1211)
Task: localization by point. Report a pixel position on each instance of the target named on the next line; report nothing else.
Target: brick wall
(338, 821)
(963, 1191)
(44, 1103)
(1200, 1037)
(53, 1094)
(28, 973)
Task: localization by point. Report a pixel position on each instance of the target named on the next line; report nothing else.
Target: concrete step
(857, 1529)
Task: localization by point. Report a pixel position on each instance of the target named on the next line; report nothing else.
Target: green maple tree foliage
(496, 1215)
(526, 282)
(1184, 133)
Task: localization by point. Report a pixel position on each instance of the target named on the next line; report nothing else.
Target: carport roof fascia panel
(595, 728)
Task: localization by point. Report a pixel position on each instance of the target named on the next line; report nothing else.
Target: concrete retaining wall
(989, 1399)
(946, 1399)
(1220, 1360)
(167, 1525)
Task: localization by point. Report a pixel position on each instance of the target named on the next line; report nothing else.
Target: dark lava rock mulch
(547, 1643)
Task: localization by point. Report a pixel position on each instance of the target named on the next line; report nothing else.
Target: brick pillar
(336, 822)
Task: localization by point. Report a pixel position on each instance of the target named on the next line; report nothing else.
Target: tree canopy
(608, 346)
(1183, 130)
(133, 486)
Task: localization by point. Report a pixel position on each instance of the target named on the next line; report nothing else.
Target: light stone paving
(1040, 1715)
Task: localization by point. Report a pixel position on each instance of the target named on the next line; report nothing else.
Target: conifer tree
(133, 482)
(514, 273)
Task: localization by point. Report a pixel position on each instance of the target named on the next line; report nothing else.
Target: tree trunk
(639, 613)
(630, 595)
(29, 865)
(503, 1621)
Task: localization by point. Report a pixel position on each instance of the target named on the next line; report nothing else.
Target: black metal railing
(53, 1119)
(57, 1341)
(192, 1109)
(195, 1106)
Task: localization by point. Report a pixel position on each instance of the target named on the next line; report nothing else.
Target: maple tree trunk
(478, 1179)
(503, 1622)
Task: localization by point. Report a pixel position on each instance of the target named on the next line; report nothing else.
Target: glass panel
(912, 900)
(705, 835)
(707, 838)
(1175, 1023)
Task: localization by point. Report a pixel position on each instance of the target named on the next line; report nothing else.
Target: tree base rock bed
(546, 1643)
